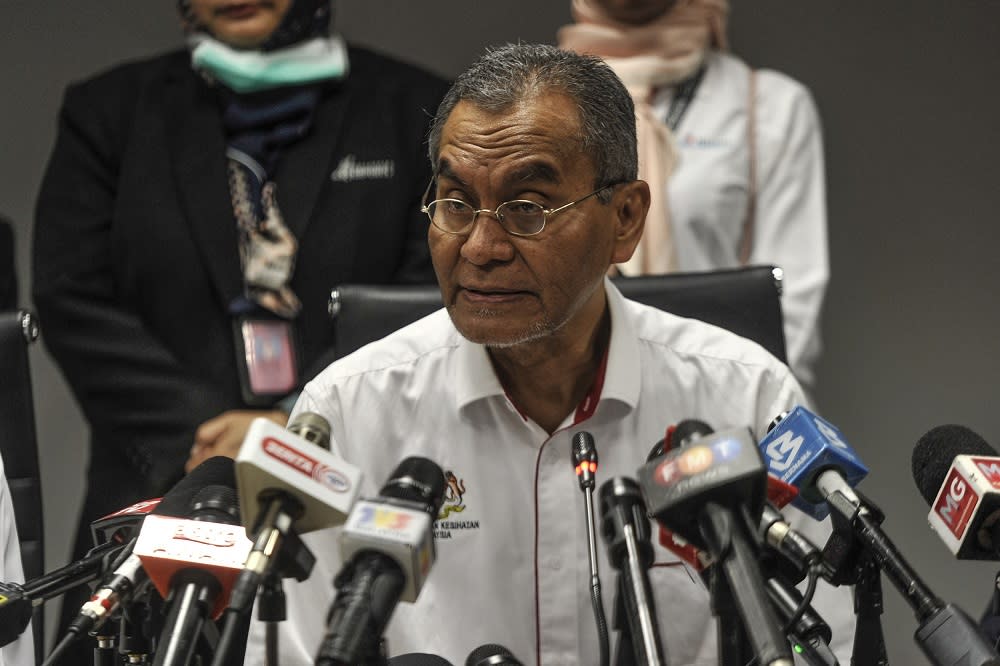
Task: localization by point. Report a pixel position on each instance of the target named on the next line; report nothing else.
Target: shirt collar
(475, 378)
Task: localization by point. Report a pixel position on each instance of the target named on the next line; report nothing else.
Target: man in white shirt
(535, 197)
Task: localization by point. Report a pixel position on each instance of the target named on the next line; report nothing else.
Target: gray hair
(510, 74)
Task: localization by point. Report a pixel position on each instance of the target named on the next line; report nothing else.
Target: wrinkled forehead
(538, 138)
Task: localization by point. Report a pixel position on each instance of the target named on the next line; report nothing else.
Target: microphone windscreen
(935, 451)
(491, 655)
(417, 479)
(419, 659)
(217, 504)
(216, 471)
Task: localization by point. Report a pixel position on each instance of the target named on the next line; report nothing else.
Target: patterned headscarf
(305, 19)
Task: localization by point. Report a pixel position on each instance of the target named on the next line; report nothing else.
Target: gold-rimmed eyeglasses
(518, 218)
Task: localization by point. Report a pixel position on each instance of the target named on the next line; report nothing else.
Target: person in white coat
(22, 651)
(734, 156)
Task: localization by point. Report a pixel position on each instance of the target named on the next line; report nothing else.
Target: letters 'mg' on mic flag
(967, 503)
(803, 445)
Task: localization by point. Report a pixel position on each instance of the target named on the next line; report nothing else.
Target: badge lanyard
(682, 99)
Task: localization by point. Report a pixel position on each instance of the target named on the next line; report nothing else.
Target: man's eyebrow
(445, 171)
(535, 172)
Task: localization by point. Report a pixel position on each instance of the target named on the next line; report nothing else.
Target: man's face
(502, 290)
(245, 24)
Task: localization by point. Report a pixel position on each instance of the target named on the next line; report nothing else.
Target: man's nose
(488, 241)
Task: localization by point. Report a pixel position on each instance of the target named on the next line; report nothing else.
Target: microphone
(193, 563)
(418, 659)
(18, 600)
(711, 493)
(625, 528)
(491, 655)
(289, 483)
(813, 455)
(119, 586)
(958, 474)
(387, 544)
(123, 525)
(583, 453)
(800, 448)
(687, 432)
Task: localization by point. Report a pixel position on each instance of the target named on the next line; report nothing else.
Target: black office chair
(746, 301)
(19, 447)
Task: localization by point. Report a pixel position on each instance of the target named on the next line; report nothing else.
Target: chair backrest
(19, 447)
(743, 300)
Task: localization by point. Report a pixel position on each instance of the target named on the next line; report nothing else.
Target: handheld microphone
(387, 544)
(807, 631)
(491, 655)
(625, 528)
(682, 434)
(711, 493)
(800, 448)
(813, 455)
(119, 586)
(958, 474)
(193, 563)
(289, 484)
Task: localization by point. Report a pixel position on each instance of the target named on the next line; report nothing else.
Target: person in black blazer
(8, 274)
(160, 192)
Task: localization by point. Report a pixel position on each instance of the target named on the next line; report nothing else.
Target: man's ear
(631, 202)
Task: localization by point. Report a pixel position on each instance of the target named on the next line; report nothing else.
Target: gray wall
(906, 90)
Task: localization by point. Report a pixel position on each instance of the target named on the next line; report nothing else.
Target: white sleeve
(790, 229)
(22, 651)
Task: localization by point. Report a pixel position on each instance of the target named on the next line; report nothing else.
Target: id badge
(266, 358)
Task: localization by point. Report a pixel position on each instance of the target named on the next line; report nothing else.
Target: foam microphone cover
(419, 659)
(492, 655)
(216, 471)
(935, 452)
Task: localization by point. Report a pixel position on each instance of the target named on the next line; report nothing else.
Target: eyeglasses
(518, 217)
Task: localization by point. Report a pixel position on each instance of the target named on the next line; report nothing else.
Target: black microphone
(958, 474)
(583, 453)
(124, 575)
(625, 528)
(491, 655)
(388, 547)
(119, 585)
(193, 562)
(711, 493)
(418, 659)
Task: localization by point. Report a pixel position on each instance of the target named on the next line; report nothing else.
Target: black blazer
(135, 245)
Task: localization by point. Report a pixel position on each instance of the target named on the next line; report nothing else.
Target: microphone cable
(584, 457)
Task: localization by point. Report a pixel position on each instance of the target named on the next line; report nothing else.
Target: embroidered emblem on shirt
(350, 169)
(454, 502)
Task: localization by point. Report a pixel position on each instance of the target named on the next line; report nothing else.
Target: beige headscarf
(660, 53)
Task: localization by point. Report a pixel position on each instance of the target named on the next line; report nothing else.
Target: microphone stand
(625, 528)
(288, 557)
(945, 633)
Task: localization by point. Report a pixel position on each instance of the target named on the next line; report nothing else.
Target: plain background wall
(907, 93)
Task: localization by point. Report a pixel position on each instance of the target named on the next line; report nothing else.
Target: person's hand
(222, 435)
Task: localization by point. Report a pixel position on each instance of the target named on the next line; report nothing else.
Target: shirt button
(555, 564)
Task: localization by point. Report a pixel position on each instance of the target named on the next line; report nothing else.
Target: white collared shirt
(708, 190)
(512, 565)
(22, 651)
